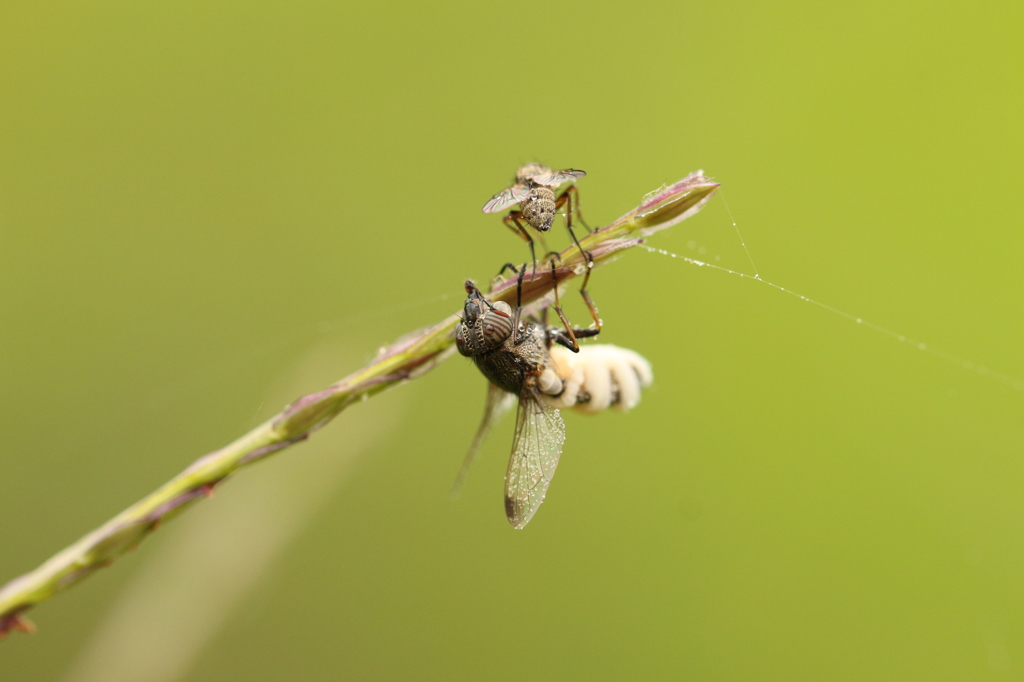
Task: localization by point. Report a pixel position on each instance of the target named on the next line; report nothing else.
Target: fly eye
(460, 340)
(503, 307)
(495, 329)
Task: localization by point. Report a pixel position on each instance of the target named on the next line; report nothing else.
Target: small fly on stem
(533, 189)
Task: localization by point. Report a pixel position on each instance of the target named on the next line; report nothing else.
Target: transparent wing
(498, 402)
(556, 178)
(505, 198)
(540, 434)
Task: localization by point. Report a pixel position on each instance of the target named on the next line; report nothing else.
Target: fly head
(485, 326)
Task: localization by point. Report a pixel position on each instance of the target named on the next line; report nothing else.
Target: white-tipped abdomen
(598, 377)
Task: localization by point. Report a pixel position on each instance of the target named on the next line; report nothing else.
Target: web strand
(736, 227)
(1005, 379)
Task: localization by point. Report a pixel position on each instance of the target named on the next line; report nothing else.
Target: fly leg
(567, 339)
(512, 222)
(574, 202)
(586, 297)
(500, 278)
(519, 302)
(507, 266)
(520, 273)
(571, 197)
(562, 339)
(568, 196)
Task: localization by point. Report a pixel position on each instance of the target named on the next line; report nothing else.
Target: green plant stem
(406, 359)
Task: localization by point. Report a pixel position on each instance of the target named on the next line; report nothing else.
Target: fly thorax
(529, 171)
(539, 208)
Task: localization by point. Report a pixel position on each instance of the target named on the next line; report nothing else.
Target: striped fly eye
(495, 326)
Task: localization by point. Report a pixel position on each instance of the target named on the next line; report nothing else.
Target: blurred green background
(208, 209)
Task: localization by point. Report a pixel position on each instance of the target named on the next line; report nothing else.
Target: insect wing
(556, 178)
(536, 447)
(498, 402)
(505, 198)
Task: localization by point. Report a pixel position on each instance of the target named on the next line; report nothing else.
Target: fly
(533, 189)
(514, 356)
